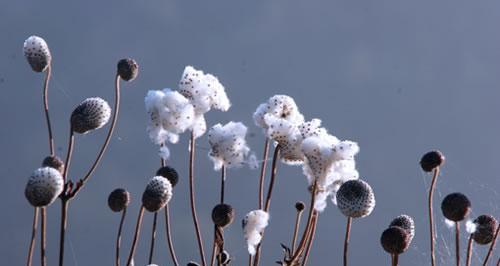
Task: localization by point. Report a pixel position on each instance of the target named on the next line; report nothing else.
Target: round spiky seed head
(37, 53)
(224, 257)
(222, 215)
(157, 194)
(431, 160)
(118, 199)
(395, 240)
(485, 230)
(169, 173)
(44, 186)
(455, 207)
(54, 162)
(355, 199)
(92, 113)
(192, 263)
(406, 222)
(300, 206)
(127, 69)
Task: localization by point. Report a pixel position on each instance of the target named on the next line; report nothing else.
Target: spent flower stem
(33, 237)
(119, 237)
(43, 241)
(431, 222)
(136, 236)
(153, 238)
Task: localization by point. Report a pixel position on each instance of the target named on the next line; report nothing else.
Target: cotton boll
(287, 136)
(254, 224)
(278, 106)
(319, 161)
(228, 145)
(346, 150)
(320, 201)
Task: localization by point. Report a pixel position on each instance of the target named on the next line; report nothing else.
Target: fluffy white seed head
(157, 194)
(449, 223)
(44, 186)
(37, 53)
(470, 227)
(278, 106)
(355, 199)
(254, 224)
(91, 114)
(228, 145)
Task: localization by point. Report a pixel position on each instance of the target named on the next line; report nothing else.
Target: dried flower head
(157, 194)
(485, 229)
(456, 207)
(254, 224)
(406, 222)
(127, 69)
(169, 173)
(44, 186)
(278, 106)
(431, 160)
(355, 199)
(118, 199)
(37, 53)
(300, 206)
(91, 114)
(222, 215)
(54, 162)
(395, 240)
(228, 146)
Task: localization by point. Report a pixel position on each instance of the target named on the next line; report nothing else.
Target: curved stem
(312, 232)
(119, 237)
(136, 236)
(296, 230)
(492, 246)
(153, 237)
(457, 242)
(64, 218)
(263, 173)
(46, 108)
(192, 199)
(69, 154)
(214, 249)
(43, 242)
(469, 251)
(169, 236)
(33, 237)
(431, 223)
(346, 240)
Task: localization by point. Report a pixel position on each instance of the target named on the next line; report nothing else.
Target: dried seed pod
(395, 240)
(118, 199)
(222, 215)
(157, 194)
(127, 69)
(224, 257)
(169, 173)
(44, 186)
(300, 206)
(92, 113)
(431, 160)
(406, 222)
(54, 162)
(355, 199)
(37, 53)
(455, 207)
(485, 229)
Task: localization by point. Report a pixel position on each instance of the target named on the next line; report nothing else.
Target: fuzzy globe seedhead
(222, 215)
(355, 199)
(395, 240)
(300, 206)
(92, 113)
(485, 230)
(431, 160)
(169, 173)
(405, 222)
(455, 207)
(37, 53)
(157, 194)
(118, 199)
(44, 186)
(127, 69)
(54, 162)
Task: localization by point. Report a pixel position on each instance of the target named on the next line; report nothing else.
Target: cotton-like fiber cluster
(228, 146)
(44, 186)
(278, 106)
(37, 53)
(254, 224)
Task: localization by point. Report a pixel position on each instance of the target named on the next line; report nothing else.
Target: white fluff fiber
(164, 153)
(278, 106)
(228, 145)
(450, 224)
(254, 224)
(470, 227)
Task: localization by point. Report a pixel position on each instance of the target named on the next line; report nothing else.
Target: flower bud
(485, 230)
(92, 113)
(37, 53)
(455, 207)
(222, 215)
(431, 160)
(127, 69)
(157, 194)
(44, 186)
(355, 199)
(169, 173)
(118, 199)
(54, 162)
(300, 206)
(395, 240)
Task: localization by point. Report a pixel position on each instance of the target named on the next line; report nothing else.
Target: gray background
(399, 77)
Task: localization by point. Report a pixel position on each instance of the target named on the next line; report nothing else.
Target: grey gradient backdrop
(399, 77)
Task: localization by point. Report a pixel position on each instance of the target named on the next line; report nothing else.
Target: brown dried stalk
(431, 223)
(119, 237)
(33, 237)
(346, 240)
(263, 172)
(43, 242)
(136, 236)
(46, 108)
(492, 246)
(457, 242)
(169, 236)
(469, 251)
(153, 238)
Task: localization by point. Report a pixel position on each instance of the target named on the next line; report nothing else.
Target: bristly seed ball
(300, 206)
(406, 222)
(118, 199)
(169, 173)
(355, 199)
(431, 160)
(54, 162)
(455, 207)
(222, 215)
(127, 69)
(395, 240)
(91, 114)
(157, 194)
(37, 53)
(485, 230)
(44, 186)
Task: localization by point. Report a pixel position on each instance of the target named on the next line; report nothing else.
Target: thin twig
(43, 242)
(222, 181)
(492, 246)
(136, 236)
(33, 237)
(169, 236)
(346, 240)
(457, 242)
(395, 259)
(296, 229)
(153, 238)
(64, 218)
(46, 108)
(69, 154)
(119, 237)
(431, 223)
(263, 172)
(469, 251)
(312, 232)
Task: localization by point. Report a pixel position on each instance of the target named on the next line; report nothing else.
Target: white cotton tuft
(164, 153)
(450, 224)
(278, 106)
(252, 161)
(254, 224)
(228, 145)
(346, 150)
(320, 201)
(470, 227)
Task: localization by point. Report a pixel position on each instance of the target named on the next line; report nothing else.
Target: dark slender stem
(136, 236)
(469, 251)
(169, 236)
(395, 259)
(46, 108)
(222, 182)
(263, 173)
(69, 154)
(492, 246)
(192, 199)
(346, 240)
(43, 242)
(119, 237)
(214, 250)
(153, 238)
(312, 232)
(249, 260)
(64, 218)
(457, 242)
(296, 230)
(431, 223)
(33, 237)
